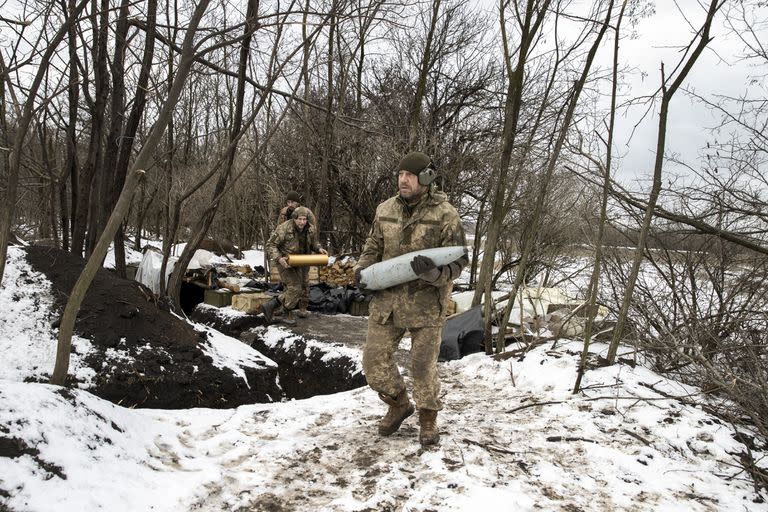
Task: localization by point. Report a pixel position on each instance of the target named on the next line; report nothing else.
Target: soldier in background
(293, 201)
(294, 236)
(419, 217)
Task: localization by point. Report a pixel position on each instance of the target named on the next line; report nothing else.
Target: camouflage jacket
(398, 229)
(287, 239)
(283, 216)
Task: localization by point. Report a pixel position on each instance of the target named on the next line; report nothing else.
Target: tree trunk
(142, 159)
(27, 112)
(126, 135)
(70, 162)
(666, 97)
(109, 172)
(325, 215)
(529, 234)
(531, 24)
(88, 211)
(594, 280)
(86, 277)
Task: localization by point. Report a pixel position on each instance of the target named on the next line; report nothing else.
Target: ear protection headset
(427, 175)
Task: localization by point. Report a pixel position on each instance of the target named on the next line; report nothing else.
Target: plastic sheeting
(462, 335)
(148, 272)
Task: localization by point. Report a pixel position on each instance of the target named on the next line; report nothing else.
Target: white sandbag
(392, 272)
(200, 259)
(148, 272)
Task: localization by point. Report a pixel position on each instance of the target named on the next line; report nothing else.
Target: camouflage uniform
(282, 217)
(418, 306)
(286, 240)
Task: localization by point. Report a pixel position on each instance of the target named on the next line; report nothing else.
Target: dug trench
(145, 356)
(305, 368)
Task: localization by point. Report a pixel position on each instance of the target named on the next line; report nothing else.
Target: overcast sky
(718, 71)
(659, 38)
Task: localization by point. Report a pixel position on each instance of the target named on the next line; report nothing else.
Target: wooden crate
(219, 298)
(250, 302)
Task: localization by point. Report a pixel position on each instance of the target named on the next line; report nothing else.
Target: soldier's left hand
(323, 251)
(422, 265)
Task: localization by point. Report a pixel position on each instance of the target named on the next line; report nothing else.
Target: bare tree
(668, 90)
(594, 280)
(423, 70)
(137, 169)
(26, 113)
(530, 21)
(533, 224)
(235, 134)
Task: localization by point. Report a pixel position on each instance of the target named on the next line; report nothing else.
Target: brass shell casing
(308, 260)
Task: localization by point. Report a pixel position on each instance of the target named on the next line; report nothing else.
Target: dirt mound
(144, 356)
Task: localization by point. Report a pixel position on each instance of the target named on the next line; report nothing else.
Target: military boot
(303, 303)
(290, 317)
(268, 308)
(399, 409)
(428, 433)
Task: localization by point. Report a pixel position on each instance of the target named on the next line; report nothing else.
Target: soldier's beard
(411, 196)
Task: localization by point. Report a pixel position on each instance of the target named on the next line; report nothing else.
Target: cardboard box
(250, 302)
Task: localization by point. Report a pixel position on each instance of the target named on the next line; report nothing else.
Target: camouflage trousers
(295, 287)
(382, 373)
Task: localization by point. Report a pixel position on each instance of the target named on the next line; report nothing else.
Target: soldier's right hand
(283, 262)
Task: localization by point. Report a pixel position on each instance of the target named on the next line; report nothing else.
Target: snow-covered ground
(513, 438)
(27, 338)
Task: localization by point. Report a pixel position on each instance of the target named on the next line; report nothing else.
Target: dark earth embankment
(144, 356)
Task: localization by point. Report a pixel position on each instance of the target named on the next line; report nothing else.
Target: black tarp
(324, 299)
(462, 335)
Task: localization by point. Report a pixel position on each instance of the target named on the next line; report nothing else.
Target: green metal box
(219, 298)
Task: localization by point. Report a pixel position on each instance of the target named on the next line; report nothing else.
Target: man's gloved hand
(422, 264)
(358, 284)
(425, 268)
